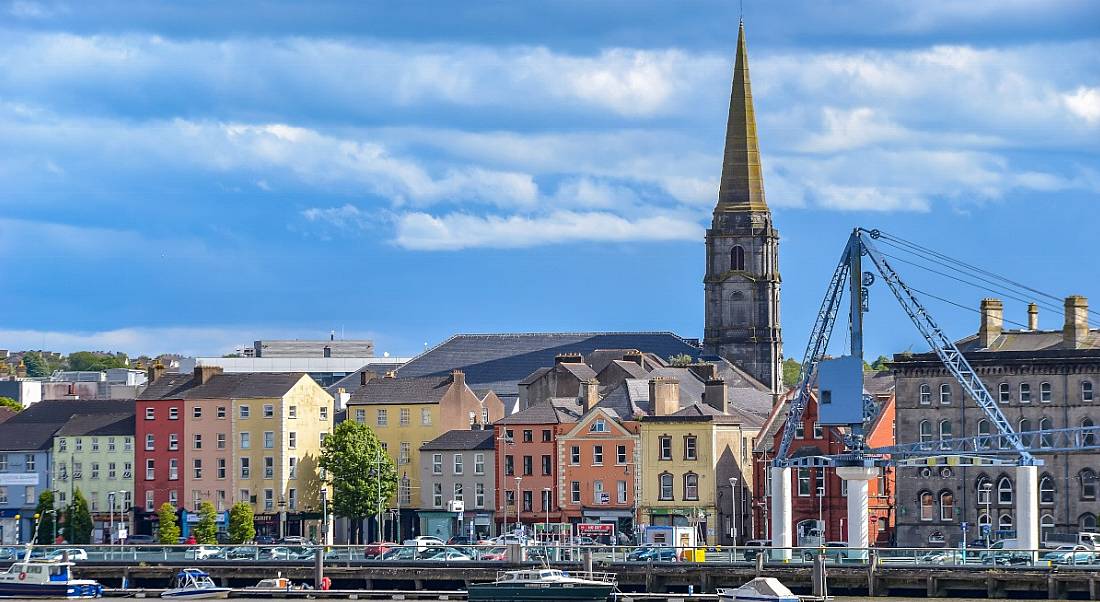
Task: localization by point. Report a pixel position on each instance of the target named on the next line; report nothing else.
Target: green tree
(791, 369)
(242, 523)
(169, 527)
(680, 361)
(96, 361)
(35, 364)
(362, 475)
(8, 402)
(879, 365)
(206, 531)
(78, 525)
(45, 510)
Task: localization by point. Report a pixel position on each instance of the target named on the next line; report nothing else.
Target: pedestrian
(191, 540)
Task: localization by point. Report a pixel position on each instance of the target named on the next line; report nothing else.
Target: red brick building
(159, 441)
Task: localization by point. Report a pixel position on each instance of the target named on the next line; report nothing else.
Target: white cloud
(1084, 103)
(424, 232)
(849, 129)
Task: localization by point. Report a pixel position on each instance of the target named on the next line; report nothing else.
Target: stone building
(458, 466)
(1042, 379)
(742, 275)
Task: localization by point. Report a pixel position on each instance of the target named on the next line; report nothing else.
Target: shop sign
(595, 529)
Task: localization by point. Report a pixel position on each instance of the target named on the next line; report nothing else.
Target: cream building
(95, 454)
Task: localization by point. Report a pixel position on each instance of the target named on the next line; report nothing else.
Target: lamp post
(987, 487)
(549, 501)
(518, 479)
(325, 540)
(504, 439)
(282, 517)
(736, 511)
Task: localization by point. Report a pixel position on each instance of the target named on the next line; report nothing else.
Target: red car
(374, 550)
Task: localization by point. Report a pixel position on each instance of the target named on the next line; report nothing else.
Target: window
(173, 413)
(426, 416)
(819, 431)
(1044, 393)
(292, 440)
(1086, 390)
(324, 412)
(1004, 491)
(78, 470)
(404, 491)
(269, 410)
(600, 426)
(269, 499)
(221, 468)
(1005, 522)
(927, 506)
(945, 394)
(575, 492)
(527, 464)
(79, 444)
(620, 492)
(1004, 395)
(575, 455)
(196, 412)
(95, 444)
(269, 467)
(127, 471)
(1046, 439)
(221, 412)
(1046, 490)
(479, 495)
(292, 412)
(361, 416)
(984, 519)
(945, 433)
(173, 469)
(1087, 521)
(737, 258)
(1088, 484)
(382, 417)
(458, 463)
(803, 482)
(479, 463)
(691, 448)
(1025, 393)
(61, 444)
(244, 412)
(403, 416)
(221, 440)
(458, 492)
(666, 448)
(1022, 427)
(527, 436)
(547, 468)
(403, 453)
(800, 430)
(691, 486)
(620, 454)
(150, 414)
(246, 440)
(149, 442)
(150, 470)
(437, 495)
(293, 468)
(509, 466)
(3, 495)
(925, 429)
(665, 482)
(292, 499)
(269, 440)
(947, 506)
(110, 444)
(528, 501)
(196, 441)
(437, 463)
(546, 436)
(925, 394)
(112, 470)
(983, 430)
(173, 442)
(198, 468)
(546, 504)
(1088, 438)
(984, 487)
(597, 455)
(174, 497)
(246, 468)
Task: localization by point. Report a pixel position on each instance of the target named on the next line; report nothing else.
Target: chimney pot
(1076, 328)
(716, 395)
(459, 378)
(1032, 316)
(590, 394)
(203, 374)
(664, 395)
(992, 322)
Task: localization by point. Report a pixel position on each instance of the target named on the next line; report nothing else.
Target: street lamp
(549, 500)
(518, 479)
(504, 439)
(736, 509)
(111, 497)
(282, 517)
(987, 487)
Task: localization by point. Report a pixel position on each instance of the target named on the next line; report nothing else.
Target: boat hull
(213, 593)
(742, 597)
(539, 592)
(50, 590)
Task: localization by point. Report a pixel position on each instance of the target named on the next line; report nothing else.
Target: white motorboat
(761, 589)
(194, 584)
(45, 579)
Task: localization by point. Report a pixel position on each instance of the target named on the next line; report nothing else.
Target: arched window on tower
(737, 258)
(1046, 490)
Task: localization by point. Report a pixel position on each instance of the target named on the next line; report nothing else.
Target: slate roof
(500, 361)
(429, 389)
(352, 382)
(556, 410)
(6, 413)
(98, 424)
(466, 439)
(701, 412)
(1025, 340)
(750, 405)
(232, 385)
(34, 427)
(582, 371)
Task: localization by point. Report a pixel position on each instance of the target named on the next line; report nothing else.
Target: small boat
(45, 579)
(542, 585)
(193, 584)
(761, 589)
(277, 584)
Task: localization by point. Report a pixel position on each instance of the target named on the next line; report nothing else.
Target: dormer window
(600, 426)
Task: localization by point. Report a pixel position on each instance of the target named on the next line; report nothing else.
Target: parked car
(460, 540)
(280, 553)
(265, 540)
(945, 556)
(203, 553)
(294, 540)
(140, 540)
(498, 554)
(652, 554)
(753, 548)
(374, 550)
(1003, 553)
(443, 554)
(584, 540)
(424, 541)
(74, 554)
(403, 553)
(243, 553)
(1071, 554)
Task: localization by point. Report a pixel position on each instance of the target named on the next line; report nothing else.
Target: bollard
(318, 567)
(817, 578)
(760, 563)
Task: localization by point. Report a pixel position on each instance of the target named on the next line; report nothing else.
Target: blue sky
(190, 178)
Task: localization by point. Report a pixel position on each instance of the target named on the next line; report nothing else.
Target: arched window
(983, 430)
(1046, 489)
(945, 394)
(691, 486)
(927, 506)
(665, 481)
(1004, 491)
(945, 433)
(925, 431)
(1005, 522)
(947, 506)
(984, 519)
(1044, 393)
(1005, 394)
(1025, 393)
(985, 486)
(925, 394)
(1087, 521)
(1088, 438)
(1046, 439)
(1023, 426)
(737, 258)
(1086, 390)
(1087, 477)
(1046, 526)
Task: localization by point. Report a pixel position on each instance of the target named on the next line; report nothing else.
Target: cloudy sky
(192, 177)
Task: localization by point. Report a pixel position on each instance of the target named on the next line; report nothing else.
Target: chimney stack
(568, 358)
(340, 400)
(155, 371)
(992, 322)
(704, 370)
(1076, 329)
(366, 376)
(716, 395)
(590, 394)
(633, 356)
(1032, 316)
(459, 378)
(664, 395)
(203, 374)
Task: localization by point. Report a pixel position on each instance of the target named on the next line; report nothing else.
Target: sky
(191, 177)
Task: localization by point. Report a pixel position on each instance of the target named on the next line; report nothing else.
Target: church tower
(742, 278)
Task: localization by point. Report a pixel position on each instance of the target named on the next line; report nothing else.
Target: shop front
(702, 519)
(266, 524)
(191, 520)
(621, 522)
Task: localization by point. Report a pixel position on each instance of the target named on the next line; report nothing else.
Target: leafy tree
(242, 527)
(791, 369)
(35, 364)
(206, 531)
(78, 526)
(8, 402)
(680, 361)
(879, 365)
(169, 528)
(96, 361)
(46, 527)
(363, 476)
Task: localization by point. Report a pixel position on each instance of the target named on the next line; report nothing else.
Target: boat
(277, 584)
(544, 584)
(42, 578)
(194, 584)
(761, 589)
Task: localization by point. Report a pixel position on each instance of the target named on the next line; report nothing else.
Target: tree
(45, 509)
(8, 402)
(35, 364)
(78, 525)
(96, 361)
(680, 361)
(879, 365)
(242, 527)
(206, 531)
(791, 369)
(362, 475)
(169, 528)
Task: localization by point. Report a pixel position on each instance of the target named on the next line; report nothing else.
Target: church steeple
(742, 186)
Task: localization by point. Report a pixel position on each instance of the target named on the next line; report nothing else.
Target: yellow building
(689, 456)
(406, 413)
(95, 454)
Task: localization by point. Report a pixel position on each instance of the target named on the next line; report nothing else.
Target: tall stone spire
(742, 187)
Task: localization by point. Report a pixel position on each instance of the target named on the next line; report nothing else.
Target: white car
(202, 553)
(74, 554)
(423, 542)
